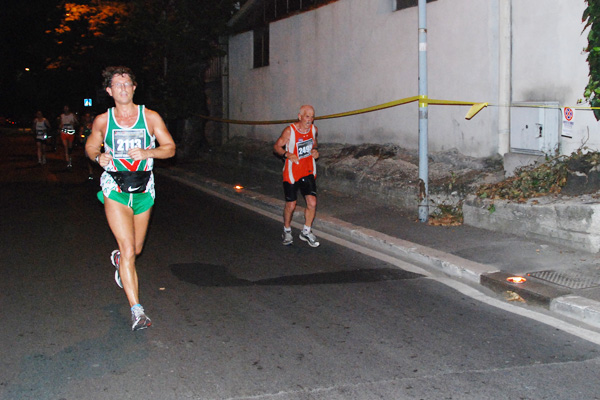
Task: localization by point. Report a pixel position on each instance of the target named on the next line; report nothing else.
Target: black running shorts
(307, 186)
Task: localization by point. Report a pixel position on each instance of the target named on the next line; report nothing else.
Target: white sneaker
(309, 238)
(139, 318)
(287, 238)
(115, 259)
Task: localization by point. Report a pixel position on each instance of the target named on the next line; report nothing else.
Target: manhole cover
(570, 279)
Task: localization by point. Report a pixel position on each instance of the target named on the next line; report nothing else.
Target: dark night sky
(23, 24)
(25, 44)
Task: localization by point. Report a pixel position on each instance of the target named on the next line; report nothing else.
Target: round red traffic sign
(568, 113)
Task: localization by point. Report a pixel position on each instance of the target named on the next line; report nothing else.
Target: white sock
(287, 229)
(306, 230)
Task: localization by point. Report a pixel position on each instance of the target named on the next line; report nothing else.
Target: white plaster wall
(549, 63)
(463, 65)
(354, 54)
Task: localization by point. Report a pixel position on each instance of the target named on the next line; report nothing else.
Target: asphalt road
(239, 316)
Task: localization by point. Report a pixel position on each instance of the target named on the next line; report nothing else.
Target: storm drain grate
(570, 279)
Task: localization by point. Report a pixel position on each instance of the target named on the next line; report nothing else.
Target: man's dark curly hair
(109, 72)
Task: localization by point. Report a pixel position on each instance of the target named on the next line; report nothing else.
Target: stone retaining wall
(573, 222)
(384, 173)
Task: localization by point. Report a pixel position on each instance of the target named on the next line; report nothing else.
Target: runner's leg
(288, 213)
(121, 222)
(311, 209)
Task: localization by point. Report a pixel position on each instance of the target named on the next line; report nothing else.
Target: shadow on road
(209, 275)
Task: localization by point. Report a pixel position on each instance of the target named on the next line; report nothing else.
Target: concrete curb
(577, 307)
(535, 292)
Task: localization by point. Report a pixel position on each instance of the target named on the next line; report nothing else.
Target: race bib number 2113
(127, 139)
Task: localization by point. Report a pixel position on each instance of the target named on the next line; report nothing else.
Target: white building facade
(352, 54)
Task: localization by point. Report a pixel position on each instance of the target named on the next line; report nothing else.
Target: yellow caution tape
(475, 108)
(241, 122)
(424, 101)
(371, 109)
(330, 116)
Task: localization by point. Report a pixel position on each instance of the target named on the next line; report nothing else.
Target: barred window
(261, 46)
(265, 11)
(278, 9)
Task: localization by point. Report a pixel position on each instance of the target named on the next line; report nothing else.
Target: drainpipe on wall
(224, 43)
(505, 75)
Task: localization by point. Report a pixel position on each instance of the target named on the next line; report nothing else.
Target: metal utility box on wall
(535, 127)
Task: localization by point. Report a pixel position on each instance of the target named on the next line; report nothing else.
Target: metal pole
(423, 115)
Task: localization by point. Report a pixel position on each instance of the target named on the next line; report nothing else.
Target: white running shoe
(115, 259)
(309, 238)
(139, 318)
(287, 238)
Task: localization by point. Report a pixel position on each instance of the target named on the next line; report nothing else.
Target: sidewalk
(560, 279)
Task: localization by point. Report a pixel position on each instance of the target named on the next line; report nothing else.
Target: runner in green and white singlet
(118, 140)
(128, 132)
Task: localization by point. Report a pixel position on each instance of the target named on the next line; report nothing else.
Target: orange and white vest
(300, 145)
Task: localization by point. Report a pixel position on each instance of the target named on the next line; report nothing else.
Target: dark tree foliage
(168, 44)
(178, 39)
(591, 17)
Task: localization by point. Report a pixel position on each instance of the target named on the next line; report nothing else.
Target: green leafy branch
(541, 179)
(591, 17)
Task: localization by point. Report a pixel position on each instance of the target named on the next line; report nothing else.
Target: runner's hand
(138, 154)
(104, 159)
(293, 158)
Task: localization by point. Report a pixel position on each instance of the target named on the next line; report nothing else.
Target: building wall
(354, 54)
(549, 63)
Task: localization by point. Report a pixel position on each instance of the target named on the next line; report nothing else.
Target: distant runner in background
(68, 121)
(41, 128)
